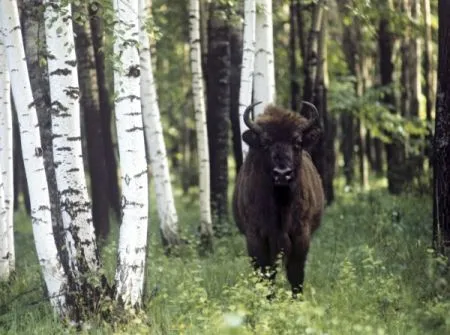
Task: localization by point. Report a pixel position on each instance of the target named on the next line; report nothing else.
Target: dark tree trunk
(97, 33)
(295, 87)
(89, 101)
(32, 22)
(441, 203)
(347, 144)
(394, 150)
(218, 112)
(235, 84)
(378, 156)
(20, 178)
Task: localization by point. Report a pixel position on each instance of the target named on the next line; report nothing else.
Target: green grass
(370, 271)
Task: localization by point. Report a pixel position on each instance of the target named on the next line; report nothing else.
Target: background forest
(377, 71)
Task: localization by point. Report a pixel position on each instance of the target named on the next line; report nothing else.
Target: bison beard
(278, 198)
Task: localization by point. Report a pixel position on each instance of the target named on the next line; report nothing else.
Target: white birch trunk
(248, 64)
(6, 158)
(130, 134)
(264, 77)
(54, 276)
(154, 135)
(67, 153)
(200, 119)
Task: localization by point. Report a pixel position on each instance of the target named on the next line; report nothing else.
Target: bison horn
(250, 124)
(314, 118)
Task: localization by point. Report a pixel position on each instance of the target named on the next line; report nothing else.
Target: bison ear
(311, 136)
(251, 138)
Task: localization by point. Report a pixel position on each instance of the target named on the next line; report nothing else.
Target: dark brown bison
(278, 198)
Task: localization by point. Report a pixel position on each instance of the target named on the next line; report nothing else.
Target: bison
(278, 198)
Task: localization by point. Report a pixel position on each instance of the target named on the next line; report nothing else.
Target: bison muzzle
(278, 198)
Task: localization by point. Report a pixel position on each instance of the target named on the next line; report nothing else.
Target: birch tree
(154, 136)
(6, 164)
(130, 270)
(200, 122)
(54, 276)
(69, 170)
(264, 75)
(248, 64)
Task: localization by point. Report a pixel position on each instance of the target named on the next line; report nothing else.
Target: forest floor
(370, 271)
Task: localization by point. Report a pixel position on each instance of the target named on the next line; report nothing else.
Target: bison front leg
(258, 250)
(295, 264)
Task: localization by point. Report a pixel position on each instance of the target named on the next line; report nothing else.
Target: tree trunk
(7, 255)
(248, 65)
(236, 40)
(295, 87)
(130, 271)
(264, 75)
(206, 231)
(441, 212)
(153, 130)
(89, 100)
(395, 149)
(54, 276)
(310, 62)
(34, 42)
(106, 107)
(429, 77)
(218, 65)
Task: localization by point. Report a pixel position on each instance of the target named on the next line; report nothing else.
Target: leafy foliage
(369, 272)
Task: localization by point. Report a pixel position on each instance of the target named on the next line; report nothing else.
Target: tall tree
(206, 231)
(97, 24)
(218, 111)
(130, 272)
(428, 60)
(295, 86)
(32, 20)
(264, 75)
(394, 149)
(90, 105)
(154, 135)
(248, 64)
(6, 162)
(441, 163)
(54, 276)
(67, 153)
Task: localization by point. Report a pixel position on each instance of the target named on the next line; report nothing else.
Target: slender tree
(129, 278)
(97, 24)
(206, 231)
(72, 190)
(264, 75)
(218, 111)
(32, 21)
(248, 64)
(54, 276)
(441, 171)
(394, 149)
(90, 107)
(154, 136)
(6, 160)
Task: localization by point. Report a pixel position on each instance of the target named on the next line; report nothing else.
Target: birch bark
(6, 158)
(54, 276)
(264, 76)
(67, 153)
(130, 133)
(200, 122)
(248, 65)
(154, 136)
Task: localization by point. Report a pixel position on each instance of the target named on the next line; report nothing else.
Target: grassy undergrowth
(370, 271)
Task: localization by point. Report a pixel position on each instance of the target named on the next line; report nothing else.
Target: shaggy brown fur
(279, 219)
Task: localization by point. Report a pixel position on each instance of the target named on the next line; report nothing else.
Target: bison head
(280, 136)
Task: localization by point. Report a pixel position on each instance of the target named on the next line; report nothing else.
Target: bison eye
(298, 143)
(266, 142)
